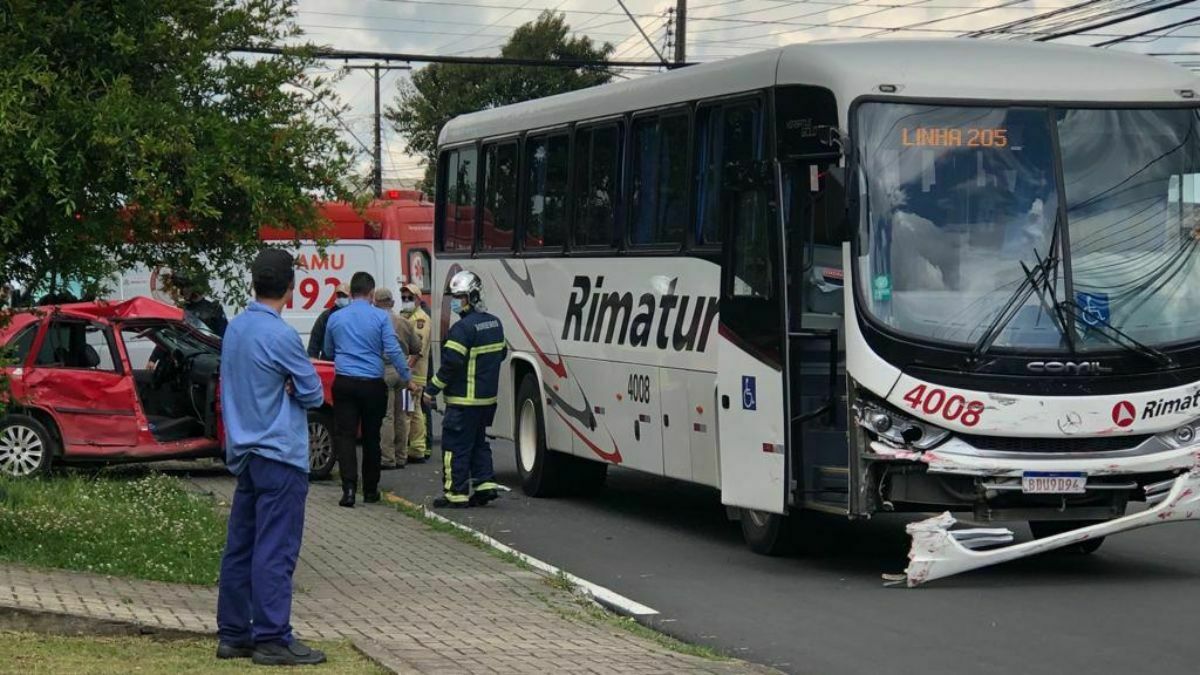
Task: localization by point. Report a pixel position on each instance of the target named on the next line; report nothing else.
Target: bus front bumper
(938, 552)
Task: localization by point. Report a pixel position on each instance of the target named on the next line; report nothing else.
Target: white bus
(850, 277)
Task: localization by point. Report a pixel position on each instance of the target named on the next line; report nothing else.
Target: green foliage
(146, 526)
(442, 91)
(132, 132)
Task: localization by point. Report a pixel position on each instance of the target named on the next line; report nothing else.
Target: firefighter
(410, 309)
(469, 377)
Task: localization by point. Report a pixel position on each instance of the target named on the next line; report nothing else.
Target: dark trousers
(266, 523)
(358, 403)
(467, 456)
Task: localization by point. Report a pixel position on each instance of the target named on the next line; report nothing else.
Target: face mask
(407, 306)
(456, 306)
(341, 302)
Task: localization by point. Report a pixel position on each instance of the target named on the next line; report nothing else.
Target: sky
(717, 29)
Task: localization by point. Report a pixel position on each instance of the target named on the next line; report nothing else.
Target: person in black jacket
(316, 339)
(190, 295)
(469, 378)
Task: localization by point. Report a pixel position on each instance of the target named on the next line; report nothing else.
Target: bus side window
(547, 159)
(499, 197)
(658, 195)
(458, 230)
(597, 185)
(729, 149)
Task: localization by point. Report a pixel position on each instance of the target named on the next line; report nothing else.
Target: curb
(604, 597)
(46, 622)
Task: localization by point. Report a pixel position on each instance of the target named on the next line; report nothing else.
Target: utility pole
(377, 171)
(680, 32)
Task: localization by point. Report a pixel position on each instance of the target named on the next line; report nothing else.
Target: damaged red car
(134, 381)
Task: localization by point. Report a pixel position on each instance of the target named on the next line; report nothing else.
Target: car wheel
(321, 457)
(26, 447)
(542, 471)
(1040, 529)
(766, 533)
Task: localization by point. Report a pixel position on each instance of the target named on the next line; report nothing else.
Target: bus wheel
(1040, 529)
(542, 470)
(766, 533)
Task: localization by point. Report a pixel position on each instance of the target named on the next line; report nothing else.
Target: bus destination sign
(953, 137)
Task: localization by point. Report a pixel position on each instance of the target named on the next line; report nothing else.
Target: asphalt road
(1131, 608)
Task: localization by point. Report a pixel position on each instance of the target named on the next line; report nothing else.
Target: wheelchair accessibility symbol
(749, 393)
(1096, 311)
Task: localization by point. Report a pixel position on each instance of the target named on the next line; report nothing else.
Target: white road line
(606, 597)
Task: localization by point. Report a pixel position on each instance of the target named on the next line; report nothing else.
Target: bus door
(812, 196)
(736, 196)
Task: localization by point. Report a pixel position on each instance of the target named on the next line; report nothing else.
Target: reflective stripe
(471, 376)
(419, 379)
(488, 349)
(437, 382)
(464, 400)
(487, 485)
(455, 498)
(456, 346)
(473, 362)
(446, 472)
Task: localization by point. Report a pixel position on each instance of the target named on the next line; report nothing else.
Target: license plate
(1053, 483)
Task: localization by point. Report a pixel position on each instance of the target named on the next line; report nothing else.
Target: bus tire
(766, 533)
(26, 447)
(1040, 529)
(543, 472)
(321, 456)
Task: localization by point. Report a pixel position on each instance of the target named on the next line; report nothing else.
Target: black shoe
(418, 460)
(390, 467)
(229, 650)
(295, 654)
(443, 503)
(483, 497)
(371, 497)
(347, 496)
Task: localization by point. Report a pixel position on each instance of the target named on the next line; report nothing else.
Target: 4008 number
(953, 407)
(639, 388)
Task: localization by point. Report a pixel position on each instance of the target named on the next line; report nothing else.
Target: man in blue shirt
(267, 385)
(354, 338)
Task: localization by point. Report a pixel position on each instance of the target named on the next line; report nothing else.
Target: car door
(78, 375)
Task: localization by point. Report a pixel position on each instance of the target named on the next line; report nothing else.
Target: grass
(37, 654)
(584, 609)
(143, 525)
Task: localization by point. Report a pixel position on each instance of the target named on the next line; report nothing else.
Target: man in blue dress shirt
(267, 385)
(354, 338)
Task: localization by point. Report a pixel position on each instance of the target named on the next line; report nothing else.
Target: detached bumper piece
(938, 552)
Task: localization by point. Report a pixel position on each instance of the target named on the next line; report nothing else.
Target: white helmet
(466, 283)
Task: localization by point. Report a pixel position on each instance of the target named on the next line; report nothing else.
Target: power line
(1110, 22)
(478, 5)
(1177, 24)
(406, 19)
(930, 22)
(639, 27)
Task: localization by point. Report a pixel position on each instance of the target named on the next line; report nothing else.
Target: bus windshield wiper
(1038, 279)
(1115, 335)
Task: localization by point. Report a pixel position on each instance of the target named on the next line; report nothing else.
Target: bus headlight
(899, 428)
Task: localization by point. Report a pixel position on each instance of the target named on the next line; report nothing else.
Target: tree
(131, 131)
(442, 91)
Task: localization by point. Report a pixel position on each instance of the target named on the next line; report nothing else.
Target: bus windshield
(958, 202)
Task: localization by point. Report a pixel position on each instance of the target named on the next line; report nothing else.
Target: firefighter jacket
(471, 358)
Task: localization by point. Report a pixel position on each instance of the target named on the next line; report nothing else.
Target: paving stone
(416, 600)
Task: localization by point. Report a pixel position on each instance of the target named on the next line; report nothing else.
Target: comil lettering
(594, 315)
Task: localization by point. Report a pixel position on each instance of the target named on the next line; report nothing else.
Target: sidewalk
(416, 600)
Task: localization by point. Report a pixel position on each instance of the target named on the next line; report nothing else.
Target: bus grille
(1080, 445)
